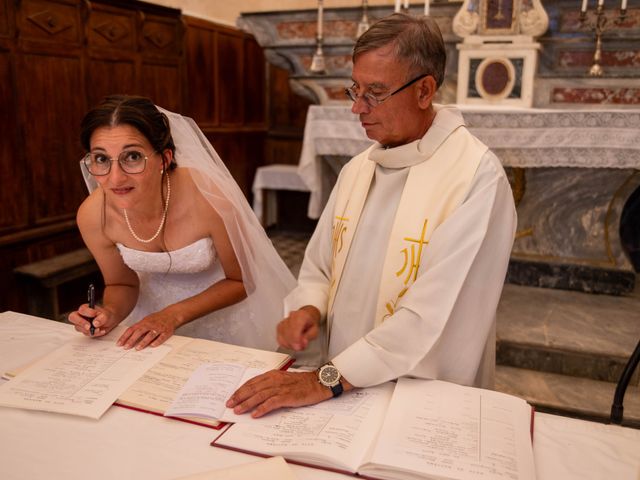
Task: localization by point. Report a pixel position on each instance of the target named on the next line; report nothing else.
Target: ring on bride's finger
(154, 332)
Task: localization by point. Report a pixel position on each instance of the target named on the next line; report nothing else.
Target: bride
(177, 244)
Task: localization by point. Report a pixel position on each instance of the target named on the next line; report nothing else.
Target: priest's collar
(448, 118)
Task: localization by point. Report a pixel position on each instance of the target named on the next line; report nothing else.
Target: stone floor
(562, 351)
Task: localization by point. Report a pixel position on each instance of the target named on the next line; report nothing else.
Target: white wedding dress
(169, 277)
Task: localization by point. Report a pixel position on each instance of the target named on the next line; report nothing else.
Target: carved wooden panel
(230, 79)
(52, 112)
(13, 197)
(200, 75)
(161, 83)
(50, 21)
(111, 28)
(254, 83)
(5, 18)
(241, 152)
(283, 149)
(160, 36)
(108, 76)
(287, 111)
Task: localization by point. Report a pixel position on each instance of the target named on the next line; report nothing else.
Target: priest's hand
(152, 330)
(278, 389)
(299, 328)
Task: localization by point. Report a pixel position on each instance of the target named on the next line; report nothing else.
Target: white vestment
(441, 327)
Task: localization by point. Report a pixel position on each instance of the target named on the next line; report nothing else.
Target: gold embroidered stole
(434, 188)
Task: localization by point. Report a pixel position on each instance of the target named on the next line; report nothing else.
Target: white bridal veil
(266, 278)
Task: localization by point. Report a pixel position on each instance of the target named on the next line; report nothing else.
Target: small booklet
(411, 430)
(274, 468)
(206, 392)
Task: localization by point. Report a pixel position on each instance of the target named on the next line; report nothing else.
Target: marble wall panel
(572, 215)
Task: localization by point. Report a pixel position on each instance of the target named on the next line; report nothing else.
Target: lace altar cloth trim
(521, 138)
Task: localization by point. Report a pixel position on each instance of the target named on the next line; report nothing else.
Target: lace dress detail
(169, 277)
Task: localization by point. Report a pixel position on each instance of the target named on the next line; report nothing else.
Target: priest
(405, 269)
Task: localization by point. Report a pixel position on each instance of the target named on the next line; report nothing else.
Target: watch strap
(337, 389)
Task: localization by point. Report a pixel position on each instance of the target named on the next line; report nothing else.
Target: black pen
(91, 297)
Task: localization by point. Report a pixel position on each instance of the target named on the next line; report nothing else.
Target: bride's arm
(157, 327)
(121, 283)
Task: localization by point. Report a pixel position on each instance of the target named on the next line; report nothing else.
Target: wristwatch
(329, 376)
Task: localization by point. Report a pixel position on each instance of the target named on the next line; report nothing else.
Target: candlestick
(426, 8)
(397, 7)
(320, 8)
(599, 24)
(364, 25)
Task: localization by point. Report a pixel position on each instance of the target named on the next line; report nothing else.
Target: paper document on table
(83, 377)
(337, 432)
(208, 389)
(483, 434)
(274, 468)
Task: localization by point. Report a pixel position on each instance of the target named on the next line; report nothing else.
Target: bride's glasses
(131, 161)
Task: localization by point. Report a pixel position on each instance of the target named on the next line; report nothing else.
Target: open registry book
(155, 391)
(417, 429)
(149, 381)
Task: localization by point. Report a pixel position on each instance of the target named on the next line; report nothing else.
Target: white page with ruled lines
(83, 377)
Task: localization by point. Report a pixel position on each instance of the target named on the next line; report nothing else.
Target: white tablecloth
(520, 137)
(126, 444)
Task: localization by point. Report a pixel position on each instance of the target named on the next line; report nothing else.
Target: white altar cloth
(524, 138)
(126, 444)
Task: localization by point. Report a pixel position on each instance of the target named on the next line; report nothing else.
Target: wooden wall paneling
(200, 74)
(111, 58)
(229, 146)
(52, 111)
(50, 22)
(13, 197)
(161, 83)
(230, 78)
(6, 19)
(111, 28)
(282, 148)
(240, 151)
(108, 75)
(287, 110)
(161, 37)
(161, 46)
(255, 83)
(287, 116)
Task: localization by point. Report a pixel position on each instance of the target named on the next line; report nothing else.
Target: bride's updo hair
(137, 112)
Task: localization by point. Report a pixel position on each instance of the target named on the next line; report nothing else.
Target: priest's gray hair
(416, 40)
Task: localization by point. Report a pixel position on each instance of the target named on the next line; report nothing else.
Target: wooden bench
(42, 279)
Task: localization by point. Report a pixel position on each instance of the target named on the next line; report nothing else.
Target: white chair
(269, 179)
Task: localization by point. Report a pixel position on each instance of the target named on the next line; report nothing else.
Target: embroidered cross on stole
(434, 188)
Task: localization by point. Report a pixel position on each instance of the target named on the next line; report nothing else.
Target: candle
(397, 9)
(319, 18)
(584, 6)
(406, 4)
(624, 5)
(426, 8)
(600, 3)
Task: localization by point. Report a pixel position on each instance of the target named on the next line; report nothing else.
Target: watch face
(329, 375)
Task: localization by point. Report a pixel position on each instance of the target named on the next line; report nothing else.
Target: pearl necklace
(164, 217)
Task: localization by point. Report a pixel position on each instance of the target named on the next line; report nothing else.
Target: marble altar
(571, 172)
